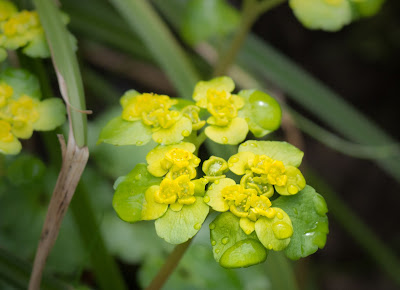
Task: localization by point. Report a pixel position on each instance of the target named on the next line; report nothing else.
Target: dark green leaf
(307, 211)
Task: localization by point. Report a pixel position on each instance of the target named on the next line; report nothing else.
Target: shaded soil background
(361, 63)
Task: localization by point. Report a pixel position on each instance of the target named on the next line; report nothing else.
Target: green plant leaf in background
(205, 19)
(307, 211)
(22, 82)
(322, 14)
(25, 169)
(366, 8)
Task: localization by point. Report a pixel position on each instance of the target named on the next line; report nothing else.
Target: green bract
(307, 210)
(232, 248)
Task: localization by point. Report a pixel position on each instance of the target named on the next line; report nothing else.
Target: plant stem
(251, 10)
(169, 266)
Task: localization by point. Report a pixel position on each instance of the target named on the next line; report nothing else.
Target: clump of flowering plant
(22, 111)
(269, 207)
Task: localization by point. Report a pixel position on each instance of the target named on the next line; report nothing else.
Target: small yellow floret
(179, 157)
(5, 93)
(273, 170)
(24, 109)
(142, 105)
(5, 132)
(221, 106)
(21, 23)
(180, 189)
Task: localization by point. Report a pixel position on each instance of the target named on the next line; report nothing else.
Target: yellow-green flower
(154, 112)
(173, 160)
(20, 115)
(252, 209)
(263, 171)
(225, 127)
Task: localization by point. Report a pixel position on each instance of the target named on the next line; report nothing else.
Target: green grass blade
(16, 272)
(65, 62)
(159, 40)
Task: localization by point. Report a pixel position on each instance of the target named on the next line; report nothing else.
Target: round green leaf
(322, 14)
(262, 112)
(176, 227)
(367, 8)
(51, 115)
(129, 197)
(274, 233)
(228, 240)
(283, 151)
(307, 210)
(121, 132)
(243, 254)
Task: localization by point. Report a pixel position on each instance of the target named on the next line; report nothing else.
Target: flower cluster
(167, 121)
(251, 220)
(22, 111)
(21, 29)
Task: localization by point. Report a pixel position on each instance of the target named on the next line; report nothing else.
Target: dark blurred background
(361, 63)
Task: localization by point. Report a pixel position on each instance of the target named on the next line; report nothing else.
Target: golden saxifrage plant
(264, 204)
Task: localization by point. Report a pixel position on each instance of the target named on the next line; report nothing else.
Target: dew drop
(295, 210)
(225, 240)
(217, 181)
(269, 246)
(279, 215)
(234, 159)
(138, 177)
(159, 141)
(217, 251)
(185, 133)
(282, 230)
(213, 243)
(224, 140)
(210, 188)
(253, 145)
(212, 226)
(197, 226)
(244, 144)
(292, 189)
(206, 199)
(138, 143)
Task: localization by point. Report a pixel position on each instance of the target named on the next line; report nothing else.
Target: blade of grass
(75, 154)
(142, 18)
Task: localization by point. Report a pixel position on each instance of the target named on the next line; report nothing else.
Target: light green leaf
(307, 211)
(232, 248)
(121, 132)
(37, 47)
(262, 112)
(51, 115)
(175, 133)
(283, 151)
(322, 14)
(205, 19)
(232, 134)
(130, 193)
(22, 82)
(12, 148)
(274, 233)
(214, 196)
(176, 227)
